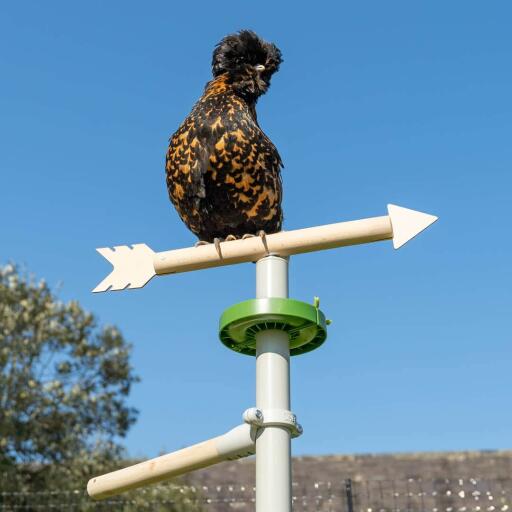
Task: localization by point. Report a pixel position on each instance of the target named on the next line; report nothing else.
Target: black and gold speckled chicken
(223, 172)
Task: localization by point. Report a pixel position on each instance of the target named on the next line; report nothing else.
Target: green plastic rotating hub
(304, 323)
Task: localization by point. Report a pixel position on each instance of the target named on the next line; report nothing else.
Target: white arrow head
(407, 223)
(133, 267)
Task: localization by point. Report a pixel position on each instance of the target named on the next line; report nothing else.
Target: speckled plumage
(223, 172)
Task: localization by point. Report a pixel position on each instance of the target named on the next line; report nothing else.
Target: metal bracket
(273, 418)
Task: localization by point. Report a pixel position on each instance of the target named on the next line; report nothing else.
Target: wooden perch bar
(284, 243)
(237, 443)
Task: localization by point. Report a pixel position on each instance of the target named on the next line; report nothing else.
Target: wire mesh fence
(346, 495)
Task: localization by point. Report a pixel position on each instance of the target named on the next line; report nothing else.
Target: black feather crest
(238, 54)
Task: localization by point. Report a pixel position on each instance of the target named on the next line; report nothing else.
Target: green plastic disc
(304, 323)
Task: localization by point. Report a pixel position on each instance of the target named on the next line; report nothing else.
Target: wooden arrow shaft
(285, 243)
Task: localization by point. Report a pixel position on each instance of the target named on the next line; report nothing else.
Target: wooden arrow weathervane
(135, 265)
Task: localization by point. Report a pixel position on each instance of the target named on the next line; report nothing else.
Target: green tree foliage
(63, 380)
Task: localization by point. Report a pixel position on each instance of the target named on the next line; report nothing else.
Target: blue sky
(376, 102)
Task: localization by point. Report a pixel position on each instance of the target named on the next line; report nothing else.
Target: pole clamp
(273, 418)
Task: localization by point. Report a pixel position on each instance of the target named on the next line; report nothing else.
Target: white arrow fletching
(407, 223)
(133, 267)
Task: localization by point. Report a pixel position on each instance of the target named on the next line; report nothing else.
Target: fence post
(349, 495)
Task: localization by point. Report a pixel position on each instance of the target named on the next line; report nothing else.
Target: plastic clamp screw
(253, 416)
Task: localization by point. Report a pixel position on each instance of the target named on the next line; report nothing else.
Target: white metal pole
(273, 446)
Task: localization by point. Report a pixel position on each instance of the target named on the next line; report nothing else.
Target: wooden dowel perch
(237, 443)
(284, 243)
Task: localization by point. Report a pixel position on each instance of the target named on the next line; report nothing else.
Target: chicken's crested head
(248, 61)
